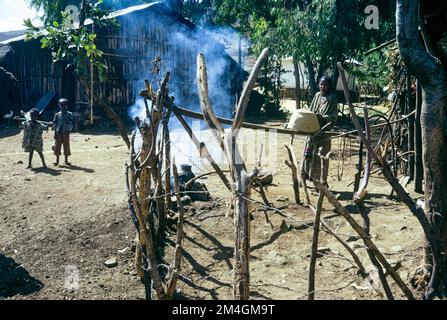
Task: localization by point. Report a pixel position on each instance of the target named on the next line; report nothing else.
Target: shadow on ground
(14, 279)
(9, 131)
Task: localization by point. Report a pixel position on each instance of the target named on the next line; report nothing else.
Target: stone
(396, 249)
(404, 275)
(395, 264)
(282, 199)
(122, 251)
(352, 239)
(273, 258)
(110, 263)
(285, 227)
(322, 251)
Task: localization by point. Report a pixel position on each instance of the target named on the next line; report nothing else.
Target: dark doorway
(69, 85)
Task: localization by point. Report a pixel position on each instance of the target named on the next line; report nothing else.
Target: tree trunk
(335, 76)
(296, 72)
(419, 169)
(278, 84)
(311, 74)
(434, 102)
(410, 108)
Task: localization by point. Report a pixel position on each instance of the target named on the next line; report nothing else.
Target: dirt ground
(59, 226)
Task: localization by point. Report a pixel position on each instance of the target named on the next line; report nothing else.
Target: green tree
(318, 32)
(75, 45)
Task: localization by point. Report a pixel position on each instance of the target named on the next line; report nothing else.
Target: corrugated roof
(4, 49)
(119, 13)
(122, 12)
(11, 34)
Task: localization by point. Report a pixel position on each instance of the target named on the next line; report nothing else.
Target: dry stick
(356, 258)
(359, 196)
(313, 256)
(367, 241)
(293, 165)
(241, 179)
(142, 271)
(156, 114)
(400, 190)
(358, 174)
(240, 276)
(331, 134)
(202, 149)
(382, 277)
(108, 111)
(200, 116)
(146, 239)
(383, 45)
(262, 193)
(372, 127)
(205, 103)
(266, 201)
(200, 176)
(167, 165)
(145, 174)
(175, 268)
(167, 157)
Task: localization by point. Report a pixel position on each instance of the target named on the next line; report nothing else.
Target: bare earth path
(60, 225)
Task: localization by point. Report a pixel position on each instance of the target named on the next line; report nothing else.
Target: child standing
(32, 137)
(63, 125)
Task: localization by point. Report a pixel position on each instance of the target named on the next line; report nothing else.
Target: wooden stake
(145, 235)
(392, 180)
(175, 267)
(313, 255)
(367, 241)
(293, 165)
(241, 180)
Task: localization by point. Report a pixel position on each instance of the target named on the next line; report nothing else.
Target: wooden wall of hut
(35, 73)
(129, 49)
